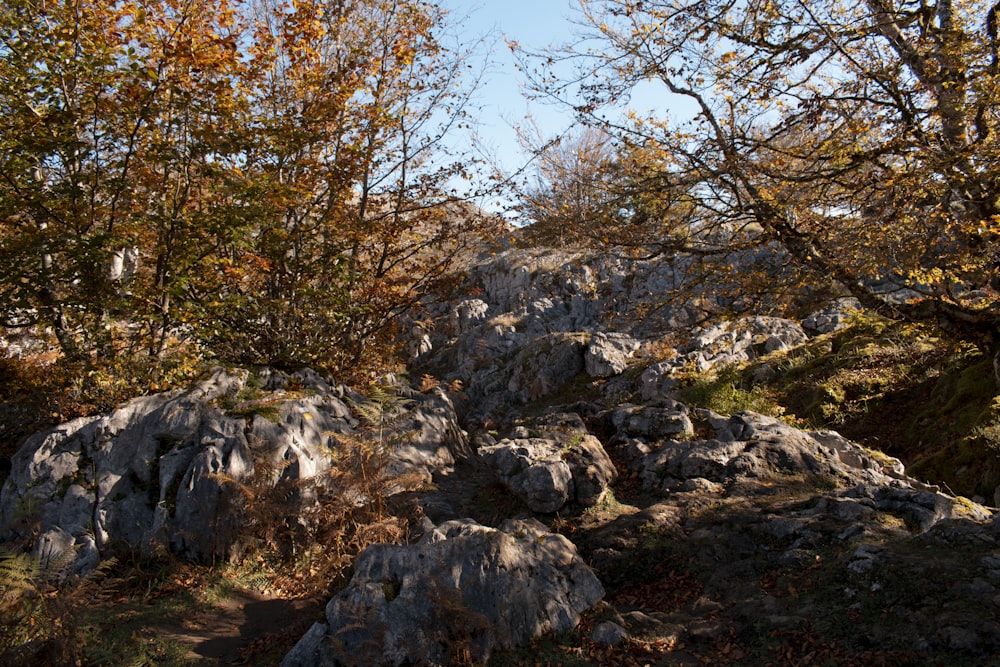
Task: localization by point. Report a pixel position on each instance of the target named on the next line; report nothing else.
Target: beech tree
(107, 125)
(860, 138)
(569, 191)
(350, 178)
(280, 170)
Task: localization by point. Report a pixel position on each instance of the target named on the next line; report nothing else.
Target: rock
(563, 465)
(592, 469)
(664, 419)
(431, 438)
(608, 354)
(701, 485)
(743, 340)
(149, 473)
(649, 625)
(864, 559)
(833, 317)
(656, 380)
(846, 509)
(534, 471)
(960, 639)
(609, 633)
(419, 345)
(547, 366)
(467, 314)
(708, 630)
(922, 509)
(749, 446)
(464, 588)
(159, 470)
(310, 379)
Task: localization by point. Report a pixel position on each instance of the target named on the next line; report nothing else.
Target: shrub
(40, 611)
(728, 393)
(315, 527)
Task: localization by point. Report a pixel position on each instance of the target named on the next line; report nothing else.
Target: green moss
(391, 589)
(729, 392)
(894, 388)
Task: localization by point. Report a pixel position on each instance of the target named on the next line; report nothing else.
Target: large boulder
(160, 471)
(546, 366)
(608, 354)
(743, 340)
(429, 438)
(752, 447)
(152, 473)
(665, 419)
(562, 465)
(468, 314)
(832, 317)
(463, 591)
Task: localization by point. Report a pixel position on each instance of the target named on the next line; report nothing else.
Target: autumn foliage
(856, 139)
(269, 179)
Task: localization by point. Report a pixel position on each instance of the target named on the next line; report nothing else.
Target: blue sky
(534, 24)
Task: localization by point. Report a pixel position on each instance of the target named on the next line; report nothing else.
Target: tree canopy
(271, 179)
(860, 138)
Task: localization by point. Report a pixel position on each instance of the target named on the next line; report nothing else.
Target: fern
(19, 573)
(383, 410)
(40, 610)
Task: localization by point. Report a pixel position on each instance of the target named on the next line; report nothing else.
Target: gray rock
(653, 625)
(656, 380)
(608, 354)
(592, 469)
(546, 366)
(922, 509)
(533, 470)
(463, 587)
(467, 314)
(701, 485)
(551, 471)
(832, 317)
(159, 470)
(148, 473)
(609, 633)
(743, 340)
(961, 639)
(664, 419)
(846, 509)
(431, 438)
(749, 446)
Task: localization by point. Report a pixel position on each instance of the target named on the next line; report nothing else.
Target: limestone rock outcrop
(463, 590)
(560, 465)
(154, 472)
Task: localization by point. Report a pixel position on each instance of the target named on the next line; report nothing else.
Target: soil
(244, 628)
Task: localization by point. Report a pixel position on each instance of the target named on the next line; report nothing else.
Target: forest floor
(707, 572)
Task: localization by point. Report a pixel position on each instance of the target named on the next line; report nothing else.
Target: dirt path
(245, 628)
(248, 628)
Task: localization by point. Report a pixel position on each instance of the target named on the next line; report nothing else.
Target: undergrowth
(311, 529)
(37, 392)
(41, 610)
(729, 391)
(297, 538)
(893, 387)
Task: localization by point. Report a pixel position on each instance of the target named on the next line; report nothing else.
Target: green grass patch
(730, 391)
(893, 387)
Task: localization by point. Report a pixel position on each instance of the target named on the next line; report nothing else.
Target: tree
(349, 177)
(858, 137)
(108, 121)
(569, 193)
(280, 170)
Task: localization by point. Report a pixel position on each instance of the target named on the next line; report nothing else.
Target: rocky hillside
(566, 501)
